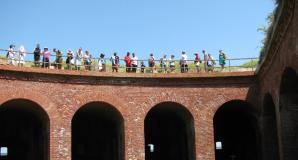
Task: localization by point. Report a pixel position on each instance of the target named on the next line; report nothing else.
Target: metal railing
(92, 64)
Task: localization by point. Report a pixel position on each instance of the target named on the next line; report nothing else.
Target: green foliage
(267, 29)
(250, 64)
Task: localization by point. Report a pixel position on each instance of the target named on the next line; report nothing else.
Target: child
(142, 67)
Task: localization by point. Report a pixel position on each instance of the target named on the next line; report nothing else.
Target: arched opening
(270, 136)
(97, 133)
(24, 131)
(169, 133)
(235, 131)
(289, 114)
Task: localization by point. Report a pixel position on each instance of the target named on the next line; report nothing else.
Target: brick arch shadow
(110, 99)
(158, 99)
(198, 110)
(42, 101)
(172, 98)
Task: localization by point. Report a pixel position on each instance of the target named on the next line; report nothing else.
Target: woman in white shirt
(22, 53)
(79, 57)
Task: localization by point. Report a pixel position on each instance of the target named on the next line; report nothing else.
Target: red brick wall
(201, 96)
(286, 56)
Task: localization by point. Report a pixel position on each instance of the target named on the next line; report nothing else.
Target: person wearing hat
(222, 59)
(69, 59)
(46, 57)
(197, 62)
(79, 57)
(59, 58)
(172, 63)
(102, 63)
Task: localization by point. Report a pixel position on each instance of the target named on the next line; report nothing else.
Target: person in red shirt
(197, 62)
(127, 60)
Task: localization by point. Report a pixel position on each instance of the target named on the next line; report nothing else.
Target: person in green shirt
(222, 59)
(59, 58)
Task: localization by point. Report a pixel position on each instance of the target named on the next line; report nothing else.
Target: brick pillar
(134, 137)
(204, 136)
(60, 141)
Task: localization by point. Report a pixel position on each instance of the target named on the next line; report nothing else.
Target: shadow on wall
(269, 129)
(236, 131)
(97, 133)
(24, 130)
(289, 113)
(169, 133)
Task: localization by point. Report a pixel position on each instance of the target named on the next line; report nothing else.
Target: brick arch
(110, 99)
(45, 103)
(27, 107)
(219, 105)
(163, 102)
(232, 121)
(97, 125)
(288, 95)
(159, 120)
(158, 99)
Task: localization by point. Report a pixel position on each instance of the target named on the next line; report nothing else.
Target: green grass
(247, 66)
(250, 64)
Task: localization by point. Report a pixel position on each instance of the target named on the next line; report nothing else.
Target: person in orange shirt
(127, 60)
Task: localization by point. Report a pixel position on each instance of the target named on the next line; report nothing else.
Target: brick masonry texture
(62, 93)
(61, 101)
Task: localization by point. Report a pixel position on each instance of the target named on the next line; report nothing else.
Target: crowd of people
(132, 63)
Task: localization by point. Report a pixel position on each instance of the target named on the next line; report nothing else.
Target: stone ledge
(100, 78)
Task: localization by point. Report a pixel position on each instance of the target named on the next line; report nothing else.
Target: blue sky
(140, 26)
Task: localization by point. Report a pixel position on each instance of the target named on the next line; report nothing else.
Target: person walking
(222, 59)
(197, 62)
(36, 54)
(59, 58)
(87, 60)
(46, 57)
(102, 63)
(205, 60)
(22, 54)
(151, 63)
(79, 57)
(115, 62)
(134, 62)
(210, 63)
(142, 67)
(172, 63)
(183, 63)
(69, 59)
(10, 56)
(163, 63)
(127, 60)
